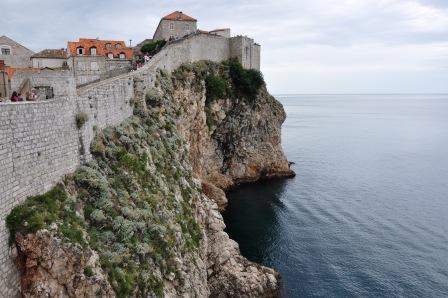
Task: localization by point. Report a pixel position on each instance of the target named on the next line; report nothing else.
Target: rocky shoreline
(143, 219)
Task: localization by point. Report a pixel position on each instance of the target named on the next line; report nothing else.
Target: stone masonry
(40, 143)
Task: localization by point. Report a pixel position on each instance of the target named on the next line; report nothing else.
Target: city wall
(40, 143)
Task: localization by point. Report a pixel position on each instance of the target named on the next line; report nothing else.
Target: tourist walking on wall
(15, 97)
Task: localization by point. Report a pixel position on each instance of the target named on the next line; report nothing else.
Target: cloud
(333, 46)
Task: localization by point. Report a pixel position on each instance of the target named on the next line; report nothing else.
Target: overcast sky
(308, 46)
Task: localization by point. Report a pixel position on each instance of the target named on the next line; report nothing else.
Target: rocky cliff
(142, 219)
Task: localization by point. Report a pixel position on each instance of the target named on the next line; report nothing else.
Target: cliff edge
(142, 219)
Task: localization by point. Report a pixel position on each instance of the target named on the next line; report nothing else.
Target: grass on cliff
(153, 47)
(39, 212)
(247, 82)
(228, 79)
(135, 202)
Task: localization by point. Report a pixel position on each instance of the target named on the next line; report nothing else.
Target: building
(14, 54)
(112, 49)
(92, 60)
(178, 25)
(246, 51)
(221, 32)
(50, 58)
(175, 25)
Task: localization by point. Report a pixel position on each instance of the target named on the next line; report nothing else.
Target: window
(122, 56)
(117, 46)
(110, 56)
(6, 50)
(247, 53)
(171, 26)
(93, 51)
(187, 27)
(80, 51)
(108, 46)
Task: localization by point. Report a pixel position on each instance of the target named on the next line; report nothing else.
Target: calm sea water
(367, 213)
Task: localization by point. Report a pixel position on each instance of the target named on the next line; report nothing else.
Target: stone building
(14, 54)
(178, 25)
(174, 26)
(246, 51)
(92, 60)
(50, 58)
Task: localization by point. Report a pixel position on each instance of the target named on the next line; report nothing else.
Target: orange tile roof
(102, 47)
(178, 16)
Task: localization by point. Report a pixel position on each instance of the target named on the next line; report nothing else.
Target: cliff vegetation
(141, 219)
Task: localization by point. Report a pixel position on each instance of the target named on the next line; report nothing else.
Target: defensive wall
(40, 142)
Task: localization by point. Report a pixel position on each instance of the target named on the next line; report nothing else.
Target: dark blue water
(367, 214)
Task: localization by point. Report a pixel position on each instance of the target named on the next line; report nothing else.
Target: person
(146, 58)
(20, 97)
(15, 97)
(33, 94)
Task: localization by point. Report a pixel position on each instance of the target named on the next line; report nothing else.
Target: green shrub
(88, 271)
(247, 82)
(215, 87)
(153, 47)
(39, 212)
(81, 118)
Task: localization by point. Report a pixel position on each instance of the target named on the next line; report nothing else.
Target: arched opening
(93, 51)
(108, 45)
(80, 51)
(117, 46)
(110, 55)
(122, 55)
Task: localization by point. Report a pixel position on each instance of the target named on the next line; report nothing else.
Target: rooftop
(51, 53)
(178, 16)
(103, 47)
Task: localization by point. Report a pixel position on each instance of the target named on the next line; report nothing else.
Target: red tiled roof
(178, 16)
(51, 53)
(103, 47)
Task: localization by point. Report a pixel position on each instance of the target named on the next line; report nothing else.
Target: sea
(367, 213)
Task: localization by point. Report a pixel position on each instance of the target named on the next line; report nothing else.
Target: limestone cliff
(142, 219)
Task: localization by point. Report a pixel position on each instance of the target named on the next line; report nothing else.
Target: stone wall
(246, 50)
(48, 62)
(39, 141)
(178, 30)
(62, 81)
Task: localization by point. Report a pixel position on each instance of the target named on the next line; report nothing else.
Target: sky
(307, 46)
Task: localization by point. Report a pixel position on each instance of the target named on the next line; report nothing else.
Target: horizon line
(283, 94)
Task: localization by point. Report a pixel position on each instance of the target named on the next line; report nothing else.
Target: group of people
(142, 61)
(29, 96)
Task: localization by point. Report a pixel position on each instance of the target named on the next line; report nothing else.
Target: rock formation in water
(143, 218)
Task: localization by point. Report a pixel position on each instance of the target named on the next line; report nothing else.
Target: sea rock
(215, 146)
(53, 268)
